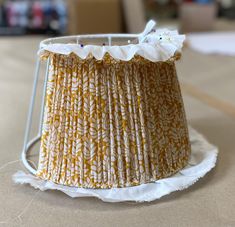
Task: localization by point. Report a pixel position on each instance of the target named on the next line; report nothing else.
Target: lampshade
(110, 123)
(112, 112)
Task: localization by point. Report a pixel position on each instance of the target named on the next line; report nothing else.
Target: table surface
(207, 83)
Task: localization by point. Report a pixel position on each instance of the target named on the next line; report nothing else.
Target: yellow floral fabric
(112, 123)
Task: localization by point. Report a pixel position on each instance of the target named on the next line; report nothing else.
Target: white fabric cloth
(154, 45)
(213, 42)
(203, 159)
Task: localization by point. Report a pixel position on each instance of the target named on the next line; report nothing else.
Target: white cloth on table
(213, 42)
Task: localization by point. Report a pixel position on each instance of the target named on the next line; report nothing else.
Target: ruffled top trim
(153, 45)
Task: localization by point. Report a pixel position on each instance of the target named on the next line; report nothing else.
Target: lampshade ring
(25, 152)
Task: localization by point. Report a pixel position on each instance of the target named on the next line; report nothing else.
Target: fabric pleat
(110, 123)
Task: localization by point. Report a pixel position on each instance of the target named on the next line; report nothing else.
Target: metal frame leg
(28, 144)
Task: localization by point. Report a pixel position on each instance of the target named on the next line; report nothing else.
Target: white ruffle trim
(153, 45)
(203, 159)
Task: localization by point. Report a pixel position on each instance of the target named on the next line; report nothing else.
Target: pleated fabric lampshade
(113, 117)
(111, 123)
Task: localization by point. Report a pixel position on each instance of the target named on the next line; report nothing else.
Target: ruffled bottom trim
(203, 159)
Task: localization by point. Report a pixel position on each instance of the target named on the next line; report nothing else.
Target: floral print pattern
(111, 123)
